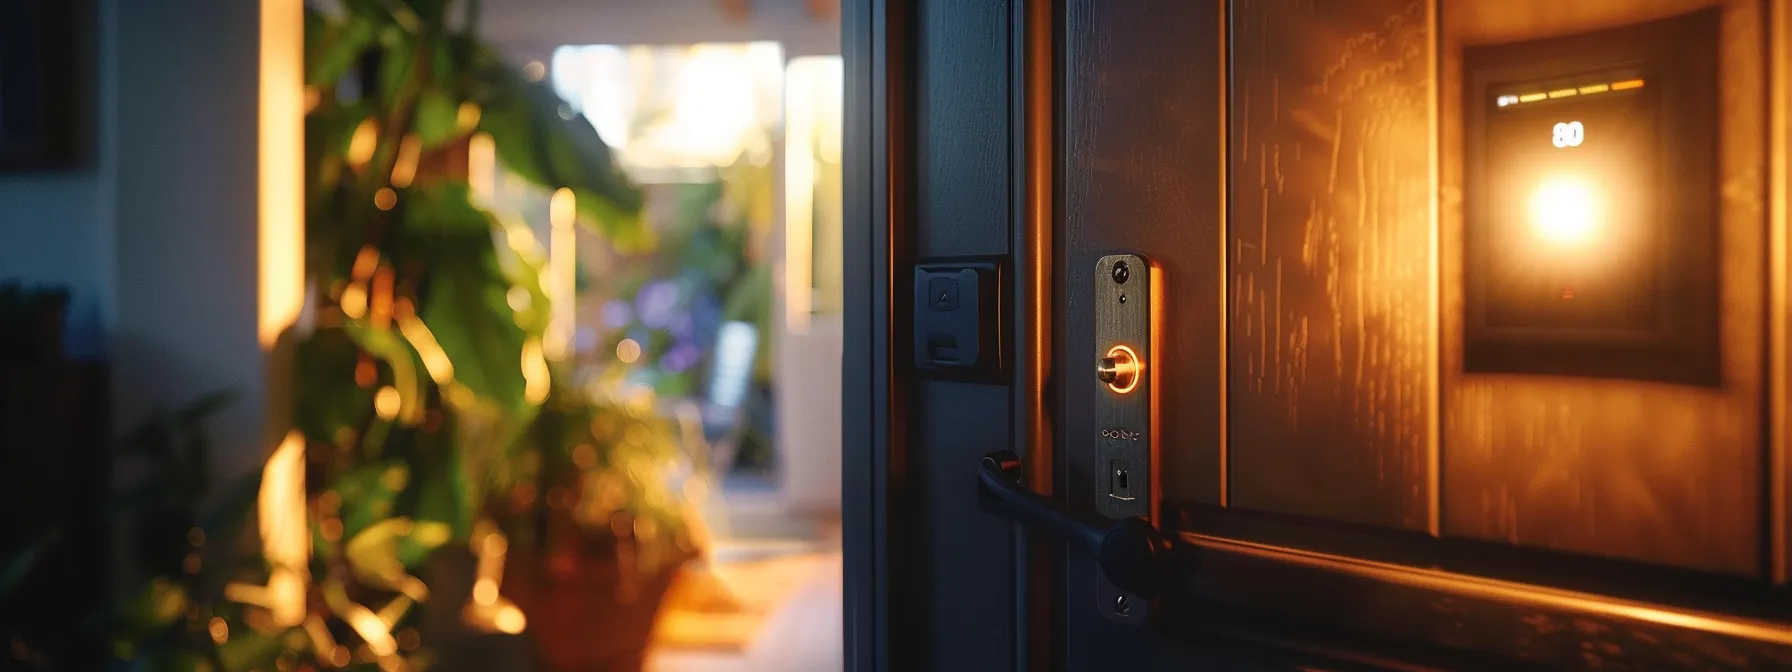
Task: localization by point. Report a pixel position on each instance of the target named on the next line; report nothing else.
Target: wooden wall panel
(1330, 327)
(1651, 472)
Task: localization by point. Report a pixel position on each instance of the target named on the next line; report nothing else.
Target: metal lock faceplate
(1125, 398)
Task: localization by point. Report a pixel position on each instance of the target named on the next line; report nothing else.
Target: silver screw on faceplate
(1121, 606)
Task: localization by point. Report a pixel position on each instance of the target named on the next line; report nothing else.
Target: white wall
(185, 143)
(155, 234)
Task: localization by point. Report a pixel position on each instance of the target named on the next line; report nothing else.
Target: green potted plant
(428, 420)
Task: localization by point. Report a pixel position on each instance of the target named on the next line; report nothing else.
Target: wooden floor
(804, 634)
(784, 568)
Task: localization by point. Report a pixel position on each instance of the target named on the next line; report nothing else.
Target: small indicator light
(1563, 93)
(1532, 97)
(1627, 85)
(1596, 88)
(1508, 100)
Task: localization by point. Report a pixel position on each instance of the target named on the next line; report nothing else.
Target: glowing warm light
(280, 184)
(535, 70)
(485, 590)
(435, 359)
(404, 170)
(812, 100)
(1579, 90)
(219, 630)
(518, 298)
(628, 350)
(366, 260)
(562, 281)
(1564, 211)
(386, 402)
(535, 373)
(363, 142)
(1128, 369)
(321, 640)
(466, 118)
(285, 537)
(385, 198)
(372, 630)
(379, 308)
(488, 610)
(482, 167)
(510, 620)
(354, 300)
(521, 239)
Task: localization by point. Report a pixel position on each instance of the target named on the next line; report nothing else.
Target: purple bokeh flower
(616, 313)
(656, 302)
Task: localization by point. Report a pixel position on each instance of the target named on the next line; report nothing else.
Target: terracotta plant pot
(585, 612)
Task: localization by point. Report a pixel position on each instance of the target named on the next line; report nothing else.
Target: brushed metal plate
(1126, 294)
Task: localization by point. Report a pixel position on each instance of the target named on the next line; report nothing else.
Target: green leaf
(465, 304)
(533, 141)
(328, 400)
(438, 118)
(396, 61)
(444, 492)
(749, 300)
(367, 494)
(375, 554)
(153, 609)
(332, 48)
(388, 347)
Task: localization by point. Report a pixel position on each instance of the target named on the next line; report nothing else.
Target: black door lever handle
(1130, 552)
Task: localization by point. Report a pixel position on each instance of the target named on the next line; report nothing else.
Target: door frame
(1393, 603)
(872, 49)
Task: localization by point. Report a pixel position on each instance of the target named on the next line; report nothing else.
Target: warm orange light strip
(1153, 401)
(1536, 599)
(562, 276)
(1779, 191)
(1587, 90)
(799, 196)
(280, 183)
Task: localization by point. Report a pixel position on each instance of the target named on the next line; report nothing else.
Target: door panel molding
(1531, 623)
(1329, 241)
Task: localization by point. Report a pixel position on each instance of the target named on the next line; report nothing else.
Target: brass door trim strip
(1779, 68)
(1529, 598)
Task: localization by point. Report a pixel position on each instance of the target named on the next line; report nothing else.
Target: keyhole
(1120, 478)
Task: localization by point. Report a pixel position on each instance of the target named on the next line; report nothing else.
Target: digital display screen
(1574, 207)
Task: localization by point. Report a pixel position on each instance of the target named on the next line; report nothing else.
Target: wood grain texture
(1641, 471)
(1330, 254)
(1141, 159)
(1141, 174)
